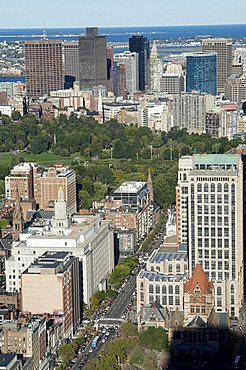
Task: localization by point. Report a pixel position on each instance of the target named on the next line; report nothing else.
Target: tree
(88, 185)
(16, 116)
(3, 222)
(154, 338)
(67, 353)
(85, 200)
(100, 190)
(128, 329)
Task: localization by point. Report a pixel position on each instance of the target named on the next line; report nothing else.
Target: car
(90, 350)
(103, 340)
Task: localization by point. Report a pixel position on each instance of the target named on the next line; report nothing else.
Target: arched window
(157, 289)
(141, 285)
(170, 268)
(177, 268)
(199, 187)
(212, 188)
(219, 188)
(185, 267)
(206, 188)
(226, 188)
(218, 290)
(152, 268)
(232, 289)
(158, 268)
(177, 289)
(170, 289)
(151, 289)
(164, 289)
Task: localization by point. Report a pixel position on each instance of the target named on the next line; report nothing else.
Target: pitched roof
(198, 278)
(197, 322)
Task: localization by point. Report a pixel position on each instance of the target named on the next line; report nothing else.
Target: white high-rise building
(212, 214)
(155, 69)
(189, 111)
(130, 61)
(86, 237)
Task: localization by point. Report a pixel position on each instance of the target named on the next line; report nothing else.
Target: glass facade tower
(201, 73)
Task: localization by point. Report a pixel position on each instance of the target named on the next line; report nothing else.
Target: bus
(236, 362)
(94, 342)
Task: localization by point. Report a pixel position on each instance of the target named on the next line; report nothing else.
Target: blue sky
(109, 13)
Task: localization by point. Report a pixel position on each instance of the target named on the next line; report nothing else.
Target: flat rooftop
(154, 276)
(130, 187)
(159, 257)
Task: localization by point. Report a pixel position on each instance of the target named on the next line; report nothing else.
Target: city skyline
(103, 13)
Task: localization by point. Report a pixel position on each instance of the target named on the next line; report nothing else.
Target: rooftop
(130, 187)
(6, 359)
(158, 257)
(216, 159)
(154, 276)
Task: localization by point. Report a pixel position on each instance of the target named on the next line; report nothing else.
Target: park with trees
(103, 155)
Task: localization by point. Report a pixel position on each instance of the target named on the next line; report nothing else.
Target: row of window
(213, 243)
(212, 198)
(157, 289)
(214, 187)
(165, 300)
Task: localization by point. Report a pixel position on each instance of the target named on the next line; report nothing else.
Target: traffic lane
(122, 301)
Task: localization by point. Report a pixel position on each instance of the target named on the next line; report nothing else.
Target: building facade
(223, 48)
(140, 45)
(71, 59)
(201, 73)
(92, 59)
(43, 67)
(51, 284)
(131, 66)
(86, 237)
(155, 69)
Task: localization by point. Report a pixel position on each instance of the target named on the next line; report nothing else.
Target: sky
(115, 13)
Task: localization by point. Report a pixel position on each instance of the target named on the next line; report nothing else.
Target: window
(141, 285)
(205, 188)
(157, 289)
(199, 187)
(219, 188)
(164, 300)
(170, 268)
(171, 300)
(177, 289)
(232, 289)
(226, 188)
(164, 289)
(212, 188)
(151, 299)
(177, 268)
(219, 290)
(170, 289)
(151, 289)
(177, 301)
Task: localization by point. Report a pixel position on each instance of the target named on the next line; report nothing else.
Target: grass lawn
(44, 159)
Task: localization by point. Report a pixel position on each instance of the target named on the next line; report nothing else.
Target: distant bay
(13, 79)
(122, 34)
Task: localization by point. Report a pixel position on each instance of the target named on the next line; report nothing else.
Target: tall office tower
(140, 45)
(110, 73)
(43, 66)
(92, 59)
(223, 48)
(172, 83)
(201, 73)
(189, 111)
(20, 182)
(130, 61)
(71, 60)
(215, 225)
(185, 166)
(155, 69)
(119, 80)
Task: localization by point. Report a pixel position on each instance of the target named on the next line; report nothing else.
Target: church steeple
(18, 219)
(150, 186)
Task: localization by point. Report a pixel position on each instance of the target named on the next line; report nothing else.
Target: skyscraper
(140, 45)
(130, 61)
(223, 48)
(155, 69)
(43, 66)
(201, 73)
(71, 61)
(92, 59)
